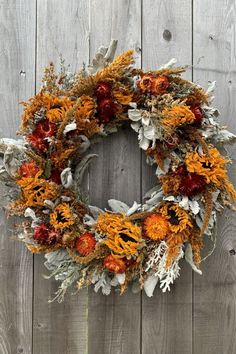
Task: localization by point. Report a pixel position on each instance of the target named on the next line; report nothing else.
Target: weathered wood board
(198, 316)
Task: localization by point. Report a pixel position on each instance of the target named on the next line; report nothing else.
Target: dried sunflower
(62, 216)
(122, 236)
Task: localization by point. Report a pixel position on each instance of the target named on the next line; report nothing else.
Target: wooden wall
(199, 315)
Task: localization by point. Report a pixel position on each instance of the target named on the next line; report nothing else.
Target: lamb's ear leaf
(150, 284)
(118, 206)
(189, 258)
(66, 178)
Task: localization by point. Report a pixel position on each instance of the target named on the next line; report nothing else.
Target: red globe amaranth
(103, 89)
(37, 142)
(45, 235)
(45, 129)
(106, 109)
(114, 264)
(28, 169)
(198, 113)
(86, 243)
(192, 184)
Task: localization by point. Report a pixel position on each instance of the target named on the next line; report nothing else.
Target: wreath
(139, 245)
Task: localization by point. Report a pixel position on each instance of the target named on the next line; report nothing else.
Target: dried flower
(114, 264)
(176, 116)
(198, 113)
(45, 235)
(122, 236)
(106, 109)
(178, 218)
(62, 216)
(103, 89)
(28, 169)
(156, 226)
(86, 243)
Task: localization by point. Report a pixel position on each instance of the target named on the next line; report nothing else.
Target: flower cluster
(142, 244)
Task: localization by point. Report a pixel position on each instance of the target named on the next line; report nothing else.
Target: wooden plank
(17, 47)
(167, 318)
(60, 328)
(214, 292)
(114, 321)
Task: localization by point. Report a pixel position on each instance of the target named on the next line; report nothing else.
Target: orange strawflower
(114, 264)
(156, 226)
(123, 95)
(29, 169)
(86, 243)
(122, 236)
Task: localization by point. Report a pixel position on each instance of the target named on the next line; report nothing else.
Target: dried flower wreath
(142, 244)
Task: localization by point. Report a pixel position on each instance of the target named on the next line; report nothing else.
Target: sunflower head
(61, 217)
(179, 220)
(211, 166)
(36, 190)
(121, 236)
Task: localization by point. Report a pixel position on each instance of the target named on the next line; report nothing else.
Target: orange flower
(55, 107)
(176, 116)
(62, 216)
(114, 264)
(36, 190)
(85, 244)
(28, 169)
(122, 236)
(156, 226)
(159, 85)
(211, 166)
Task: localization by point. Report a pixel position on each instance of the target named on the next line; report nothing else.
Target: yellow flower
(211, 166)
(122, 236)
(156, 226)
(62, 216)
(54, 106)
(123, 95)
(36, 190)
(176, 116)
(178, 218)
(86, 108)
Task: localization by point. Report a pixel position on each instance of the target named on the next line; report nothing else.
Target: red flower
(86, 243)
(55, 176)
(192, 184)
(37, 142)
(45, 129)
(45, 235)
(103, 89)
(197, 111)
(106, 109)
(114, 264)
(28, 169)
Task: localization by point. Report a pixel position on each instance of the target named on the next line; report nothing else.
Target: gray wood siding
(199, 315)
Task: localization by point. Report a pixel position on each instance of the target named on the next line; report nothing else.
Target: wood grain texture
(167, 318)
(214, 304)
(60, 328)
(114, 321)
(17, 47)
